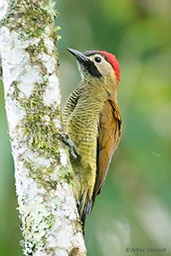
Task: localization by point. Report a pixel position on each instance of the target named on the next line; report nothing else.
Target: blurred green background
(134, 208)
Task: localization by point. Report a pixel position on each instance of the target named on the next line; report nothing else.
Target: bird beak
(82, 59)
(85, 63)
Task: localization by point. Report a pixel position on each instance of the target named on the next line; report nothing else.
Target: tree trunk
(43, 173)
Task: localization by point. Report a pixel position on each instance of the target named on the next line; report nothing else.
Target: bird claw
(68, 141)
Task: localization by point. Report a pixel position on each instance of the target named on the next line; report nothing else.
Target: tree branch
(43, 173)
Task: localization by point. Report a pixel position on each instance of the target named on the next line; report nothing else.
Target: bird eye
(97, 59)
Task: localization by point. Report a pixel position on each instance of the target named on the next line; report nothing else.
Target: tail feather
(84, 207)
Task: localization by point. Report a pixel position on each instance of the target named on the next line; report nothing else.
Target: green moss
(68, 177)
(34, 51)
(31, 245)
(40, 131)
(16, 90)
(42, 175)
(41, 136)
(28, 17)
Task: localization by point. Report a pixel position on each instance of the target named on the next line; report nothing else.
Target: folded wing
(110, 125)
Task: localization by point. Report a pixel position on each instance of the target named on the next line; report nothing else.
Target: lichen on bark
(43, 173)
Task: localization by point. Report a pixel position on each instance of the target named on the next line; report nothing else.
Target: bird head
(98, 65)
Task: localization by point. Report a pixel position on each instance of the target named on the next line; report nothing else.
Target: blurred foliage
(134, 208)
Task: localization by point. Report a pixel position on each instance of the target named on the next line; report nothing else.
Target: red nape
(113, 61)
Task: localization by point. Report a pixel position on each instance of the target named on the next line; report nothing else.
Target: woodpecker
(93, 122)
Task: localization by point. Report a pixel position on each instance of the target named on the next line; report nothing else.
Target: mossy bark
(43, 173)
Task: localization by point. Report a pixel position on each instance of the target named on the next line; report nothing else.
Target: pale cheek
(80, 69)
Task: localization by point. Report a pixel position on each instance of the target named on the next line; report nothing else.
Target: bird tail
(84, 208)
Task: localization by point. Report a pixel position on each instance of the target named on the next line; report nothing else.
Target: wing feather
(110, 125)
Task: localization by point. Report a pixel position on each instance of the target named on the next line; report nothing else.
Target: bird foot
(73, 150)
